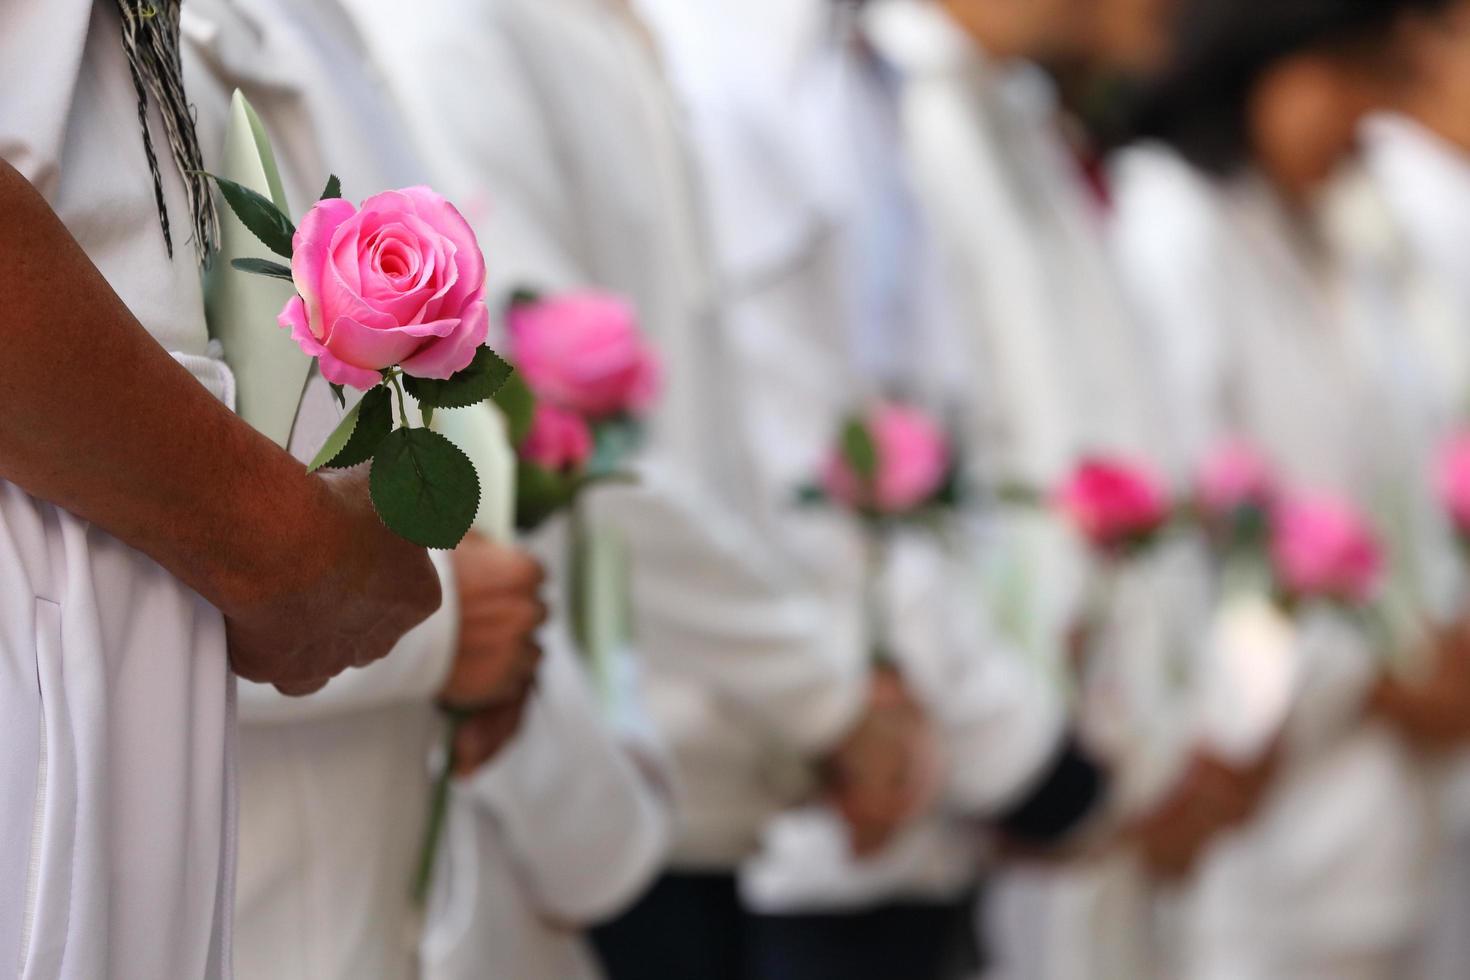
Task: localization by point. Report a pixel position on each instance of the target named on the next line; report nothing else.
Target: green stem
(875, 609)
(438, 815)
(590, 631)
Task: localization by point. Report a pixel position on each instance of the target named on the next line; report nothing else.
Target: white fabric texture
(117, 702)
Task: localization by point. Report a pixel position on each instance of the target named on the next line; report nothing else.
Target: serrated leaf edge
(479, 494)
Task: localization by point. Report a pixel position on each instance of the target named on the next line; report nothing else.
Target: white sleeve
(584, 810)
(1002, 718)
(1336, 667)
(712, 608)
(413, 673)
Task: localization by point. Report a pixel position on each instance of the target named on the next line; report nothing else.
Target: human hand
(1212, 798)
(349, 591)
(482, 735)
(500, 610)
(886, 772)
(1433, 712)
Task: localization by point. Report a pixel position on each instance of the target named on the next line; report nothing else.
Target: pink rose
(399, 282)
(1113, 503)
(913, 457)
(1322, 546)
(584, 352)
(557, 440)
(1233, 477)
(1452, 480)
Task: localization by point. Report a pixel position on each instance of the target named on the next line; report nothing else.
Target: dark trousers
(688, 927)
(905, 941)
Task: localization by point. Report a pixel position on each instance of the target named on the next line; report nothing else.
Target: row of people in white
(749, 625)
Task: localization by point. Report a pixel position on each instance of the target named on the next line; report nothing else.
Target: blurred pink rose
(558, 439)
(1233, 477)
(584, 353)
(1452, 481)
(913, 457)
(399, 282)
(1321, 546)
(1113, 503)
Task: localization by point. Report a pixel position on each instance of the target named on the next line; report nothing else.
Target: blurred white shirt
(1268, 338)
(834, 296)
(551, 121)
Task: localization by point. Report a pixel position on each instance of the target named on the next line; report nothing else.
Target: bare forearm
(97, 418)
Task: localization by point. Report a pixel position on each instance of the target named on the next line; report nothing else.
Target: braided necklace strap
(150, 31)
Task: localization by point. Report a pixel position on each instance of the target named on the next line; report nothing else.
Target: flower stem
(875, 605)
(438, 815)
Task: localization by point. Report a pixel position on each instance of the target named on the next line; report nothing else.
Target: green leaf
(360, 433)
(374, 422)
(541, 494)
(811, 495)
(333, 188)
(424, 488)
(480, 381)
(262, 267)
(859, 450)
(338, 392)
(337, 441)
(259, 214)
(518, 405)
(522, 296)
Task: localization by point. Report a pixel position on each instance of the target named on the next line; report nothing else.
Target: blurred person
(1060, 370)
(1269, 335)
(834, 295)
(145, 531)
(837, 287)
(335, 788)
(1414, 212)
(550, 119)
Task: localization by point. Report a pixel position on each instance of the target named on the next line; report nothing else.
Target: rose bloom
(400, 281)
(585, 353)
(557, 439)
(913, 458)
(1113, 503)
(1452, 481)
(1323, 547)
(1233, 477)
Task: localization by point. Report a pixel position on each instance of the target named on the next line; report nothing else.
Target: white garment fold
(116, 701)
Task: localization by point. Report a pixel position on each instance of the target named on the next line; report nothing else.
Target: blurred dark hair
(1199, 105)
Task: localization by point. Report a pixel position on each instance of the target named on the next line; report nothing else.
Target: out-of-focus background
(1046, 558)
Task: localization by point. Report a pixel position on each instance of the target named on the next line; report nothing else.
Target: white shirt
(1061, 369)
(832, 297)
(1272, 344)
(116, 698)
(593, 190)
